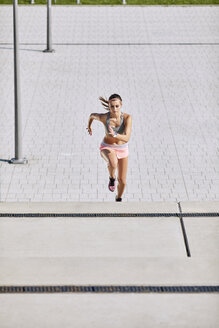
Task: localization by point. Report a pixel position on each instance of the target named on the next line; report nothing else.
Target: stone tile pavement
(62, 254)
(164, 63)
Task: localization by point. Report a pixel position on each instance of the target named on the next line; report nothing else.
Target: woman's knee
(110, 158)
(122, 181)
(112, 163)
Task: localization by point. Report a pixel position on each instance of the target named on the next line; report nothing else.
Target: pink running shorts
(121, 151)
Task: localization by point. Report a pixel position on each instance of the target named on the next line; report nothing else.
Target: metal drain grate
(107, 289)
(100, 215)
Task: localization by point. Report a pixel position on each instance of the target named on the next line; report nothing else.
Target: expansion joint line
(186, 242)
(116, 44)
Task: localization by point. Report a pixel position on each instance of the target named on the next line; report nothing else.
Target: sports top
(119, 129)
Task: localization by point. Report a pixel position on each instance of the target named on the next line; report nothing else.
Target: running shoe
(118, 199)
(112, 185)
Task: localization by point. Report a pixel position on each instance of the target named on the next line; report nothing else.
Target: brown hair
(105, 102)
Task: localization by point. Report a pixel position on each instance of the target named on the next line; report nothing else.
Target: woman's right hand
(111, 131)
(89, 131)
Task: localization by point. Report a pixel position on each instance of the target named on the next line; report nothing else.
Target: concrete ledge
(91, 237)
(117, 311)
(109, 271)
(108, 207)
(203, 236)
(88, 207)
(202, 232)
(200, 207)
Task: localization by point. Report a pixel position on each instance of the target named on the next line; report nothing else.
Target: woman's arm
(94, 116)
(128, 128)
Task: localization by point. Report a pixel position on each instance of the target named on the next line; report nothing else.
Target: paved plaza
(164, 63)
(60, 227)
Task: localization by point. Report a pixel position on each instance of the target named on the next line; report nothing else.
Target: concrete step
(107, 251)
(109, 311)
(200, 207)
(91, 237)
(161, 271)
(88, 207)
(202, 232)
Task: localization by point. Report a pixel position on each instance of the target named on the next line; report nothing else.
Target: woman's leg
(122, 172)
(111, 159)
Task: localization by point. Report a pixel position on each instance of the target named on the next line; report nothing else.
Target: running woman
(114, 147)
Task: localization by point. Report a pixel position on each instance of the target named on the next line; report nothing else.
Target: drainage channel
(107, 289)
(119, 215)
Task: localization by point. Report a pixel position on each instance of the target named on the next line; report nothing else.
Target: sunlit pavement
(164, 63)
(90, 264)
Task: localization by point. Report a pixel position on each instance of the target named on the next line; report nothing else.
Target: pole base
(49, 50)
(18, 161)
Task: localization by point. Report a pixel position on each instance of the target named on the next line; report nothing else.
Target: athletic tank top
(119, 129)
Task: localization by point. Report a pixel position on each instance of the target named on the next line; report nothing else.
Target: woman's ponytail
(104, 102)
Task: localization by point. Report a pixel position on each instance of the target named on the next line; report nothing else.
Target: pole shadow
(5, 160)
(21, 49)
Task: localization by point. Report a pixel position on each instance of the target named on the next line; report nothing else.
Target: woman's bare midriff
(111, 141)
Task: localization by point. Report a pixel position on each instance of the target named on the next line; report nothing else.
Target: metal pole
(123, 2)
(18, 126)
(49, 30)
(78, 2)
